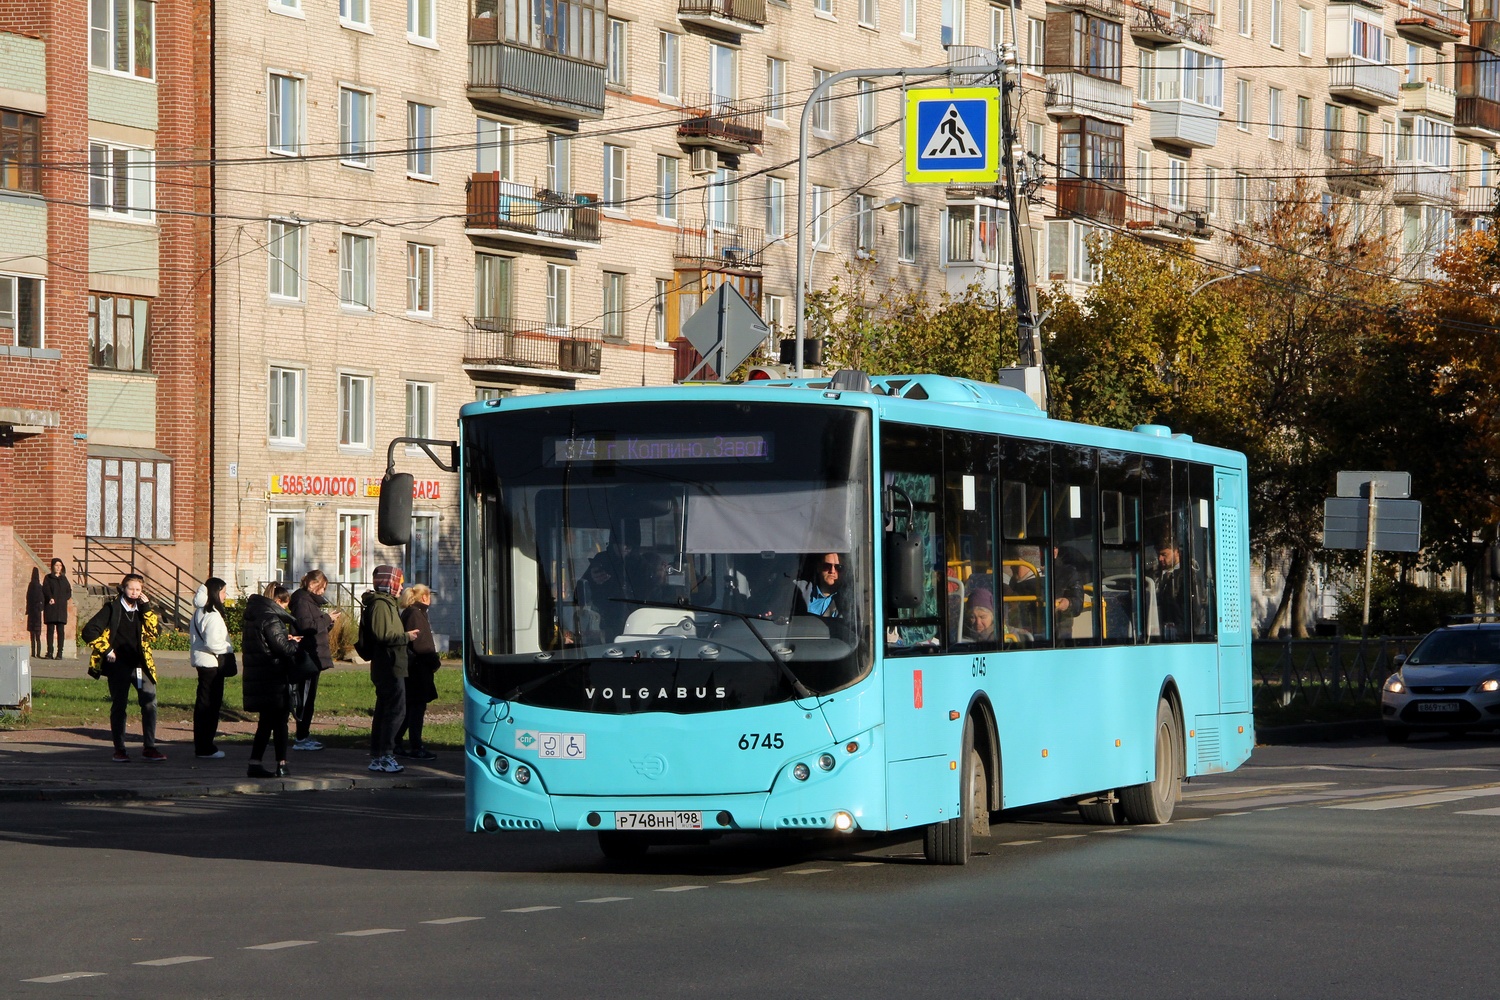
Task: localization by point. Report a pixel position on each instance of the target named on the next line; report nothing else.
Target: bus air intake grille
(804, 823)
(1208, 746)
(1230, 570)
(516, 823)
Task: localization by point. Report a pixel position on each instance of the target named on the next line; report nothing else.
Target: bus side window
(1120, 545)
(912, 461)
(1024, 509)
(973, 609)
(1076, 602)
(1201, 548)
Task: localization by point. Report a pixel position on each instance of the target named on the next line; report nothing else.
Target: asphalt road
(1344, 870)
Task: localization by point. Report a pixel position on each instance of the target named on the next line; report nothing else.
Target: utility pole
(1030, 375)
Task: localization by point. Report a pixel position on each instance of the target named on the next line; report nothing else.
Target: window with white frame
(663, 289)
(723, 74)
(21, 311)
(909, 244)
(1247, 17)
(614, 66)
(1068, 256)
(909, 18)
(559, 163)
(822, 116)
(559, 288)
(952, 22)
(354, 13)
(974, 235)
(284, 255)
(122, 37)
(356, 270)
(823, 7)
(614, 177)
(356, 126)
(820, 204)
(1211, 191)
(669, 65)
(285, 114)
(354, 411)
(1242, 109)
(775, 207)
(494, 148)
(1183, 74)
(1423, 140)
(864, 111)
(419, 278)
(1177, 184)
(614, 305)
(128, 498)
(419, 124)
(998, 15)
(1036, 44)
(121, 181)
(419, 409)
(1304, 122)
(354, 545)
(668, 172)
(724, 200)
(1035, 138)
(284, 399)
(775, 90)
(869, 13)
(1304, 31)
(1241, 197)
(119, 332)
(1276, 23)
(1143, 175)
(421, 21)
(864, 225)
(286, 6)
(1273, 112)
(494, 292)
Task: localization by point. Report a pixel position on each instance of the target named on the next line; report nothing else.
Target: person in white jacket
(208, 640)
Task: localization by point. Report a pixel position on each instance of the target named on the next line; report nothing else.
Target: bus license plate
(1436, 706)
(658, 821)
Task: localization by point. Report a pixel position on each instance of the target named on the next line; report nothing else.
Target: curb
(261, 786)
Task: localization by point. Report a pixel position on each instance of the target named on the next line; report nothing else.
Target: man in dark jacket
(56, 593)
(120, 637)
(269, 652)
(384, 639)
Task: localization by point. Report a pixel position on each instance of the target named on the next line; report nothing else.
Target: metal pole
(1364, 628)
(804, 129)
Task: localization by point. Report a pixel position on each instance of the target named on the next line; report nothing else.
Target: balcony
(1428, 99)
(1432, 21)
(506, 210)
(1355, 79)
(1421, 183)
(1476, 203)
(733, 16)
(1183, 123)
(504, 76)
(726, 126)
(1085, 198)
(1477, 117)
(504, 342)
(1353, 171)
(1074, 94)
(1114, 9)
(1174, 23)
(712, 246)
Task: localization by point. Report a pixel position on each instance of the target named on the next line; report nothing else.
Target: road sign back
(952, 135)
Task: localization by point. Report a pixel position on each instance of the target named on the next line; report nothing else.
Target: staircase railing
(169, 586)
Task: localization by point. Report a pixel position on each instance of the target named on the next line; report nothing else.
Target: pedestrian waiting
(421, 670)
(212, 654)
(383, 640)
(314, 624)
(56, 592)
(119, 638)
(270, 655)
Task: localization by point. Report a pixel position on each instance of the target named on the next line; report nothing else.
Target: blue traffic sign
(952, 135)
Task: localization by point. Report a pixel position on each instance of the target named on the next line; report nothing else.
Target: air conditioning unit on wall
(703, 161)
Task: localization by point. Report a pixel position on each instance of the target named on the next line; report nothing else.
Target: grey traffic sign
(1386, 485)
(1398, 524)
(727, 325)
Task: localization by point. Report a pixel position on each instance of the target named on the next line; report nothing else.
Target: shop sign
(421, 489)
(314, 485)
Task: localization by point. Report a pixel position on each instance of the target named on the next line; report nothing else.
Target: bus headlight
(825, 761)
(523, 775)
(843, 822)
(800, 772)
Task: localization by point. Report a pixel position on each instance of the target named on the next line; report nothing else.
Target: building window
(864, 225)
(121, 181)
(119, 333)
(1068, 257)
(909, 18)
(614, 305)
(776, 90)
(869, 13)
(864, 111)
(356, 270)
(907, 251)
(559, 163)
(823, 7)
(122, 36)
(669, 65)
(614, 69)
(1096, 47)
(775, 314)
(667, 171)
(20, 311)
(1276, 24)
(1241, 197)
(493, 292)
(723, 201)
(822, 116)
(775, 207)
(1143, 176)
(284, 405)
(819, 207)
(356, 126)
(419, 409)
(354, 13)
(1211, 191)
(127, 498)
(421, 21)
(1242, 107)
(723, 74)
(614, 177)
(1177, 184)
(1036, 139)
(559, 284)
(1304, 122)
(419, 139)
(285, 109)
(1036, 45)
(20, 151)
(354, 411)
(494, 148)
(1247, 17)
(354, 539)
(1304, 31)
(1333, 127)
(286, 6)
(952, 23)
(1273, 112)
(419, 278)
(663, 290)
(284, 250)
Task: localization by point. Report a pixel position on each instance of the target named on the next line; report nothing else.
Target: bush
(1397, 608)
(168, 639)
(345, 631)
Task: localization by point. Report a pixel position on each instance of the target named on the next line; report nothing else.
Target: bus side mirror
(903, 579)
(393, 526)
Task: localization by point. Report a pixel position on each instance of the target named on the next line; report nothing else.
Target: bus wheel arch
(987, 743)
(950, 842)
(1153, 802)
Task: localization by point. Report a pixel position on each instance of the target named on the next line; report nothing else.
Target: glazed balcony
(1077, 95)
(1085, 198)
(1358, 80)
(709, 245)
(726, 126)
(505, 342)
(733, 16)
(1432, 21)
(506, 210)
(1354, 171)
(1415, 183)
(505, 76)
(1428, 99)
(1477, 117)
(1184, 123)
(1171, 23)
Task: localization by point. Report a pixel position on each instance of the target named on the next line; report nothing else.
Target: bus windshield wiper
(800, 689)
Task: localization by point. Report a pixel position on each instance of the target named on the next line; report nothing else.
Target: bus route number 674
(762, 741)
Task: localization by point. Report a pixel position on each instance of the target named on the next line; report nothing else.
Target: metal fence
(1326, 671)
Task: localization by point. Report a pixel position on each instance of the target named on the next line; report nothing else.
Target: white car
(1450, 682)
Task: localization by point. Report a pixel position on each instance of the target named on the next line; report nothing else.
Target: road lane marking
(1478, 812)
(861, 864)
(1068, 836)
(1017, 843)
(372, 931)
(1271, 809)
(277, 945)
(177, 960)
(451, 920)
(743, 881)
(1225, 793)
(1192, 819)
(1323, 796)
(1114, 829)
(682, 888)
(1430, 799)
(62, 977)
(1235, 814)
(808, 871)
(532, 909)
(607, 899)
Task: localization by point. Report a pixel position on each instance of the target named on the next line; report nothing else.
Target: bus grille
(804, 823)
(1229, 570)
(1208, 746)
(516, 823)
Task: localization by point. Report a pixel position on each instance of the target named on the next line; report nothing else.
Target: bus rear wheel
(1152, 802)
(1102, 810)
(617, 846)
(951, 841)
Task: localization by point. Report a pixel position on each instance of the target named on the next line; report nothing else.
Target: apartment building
(103, 310)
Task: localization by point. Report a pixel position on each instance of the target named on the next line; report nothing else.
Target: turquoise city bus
(705, 609)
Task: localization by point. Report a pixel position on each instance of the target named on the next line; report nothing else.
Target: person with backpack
(383, 640)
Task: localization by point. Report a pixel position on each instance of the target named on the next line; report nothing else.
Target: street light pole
(1239, 272)
(889, 205)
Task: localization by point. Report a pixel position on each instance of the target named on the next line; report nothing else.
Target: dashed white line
(1018, 843)
(1430, 799)
(451, 920)
(682, 888)
(861, 864)
(743, 881)
(808, 871)
(607, 899)
(1068, 836)
(62, 977)
(372, 931)
(532, 909)
(277, 945)
(177, 960)
(1192, 819)
(1114, 829)
(1235, 814)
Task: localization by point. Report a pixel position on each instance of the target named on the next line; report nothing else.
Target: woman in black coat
(269, 654)
(56, 593)
(421, 668)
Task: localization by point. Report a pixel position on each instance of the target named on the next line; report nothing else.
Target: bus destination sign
(654, 448)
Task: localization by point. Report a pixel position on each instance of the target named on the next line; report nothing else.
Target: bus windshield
(668, 557)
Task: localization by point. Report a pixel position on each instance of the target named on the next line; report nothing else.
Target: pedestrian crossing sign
(952, 135)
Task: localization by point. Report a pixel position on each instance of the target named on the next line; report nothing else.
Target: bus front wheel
(1152, 802)
(617, 846)
(950, 842)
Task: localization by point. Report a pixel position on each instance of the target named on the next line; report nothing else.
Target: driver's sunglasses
(833, 566)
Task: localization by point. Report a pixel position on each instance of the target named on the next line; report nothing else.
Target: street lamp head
(891, 204)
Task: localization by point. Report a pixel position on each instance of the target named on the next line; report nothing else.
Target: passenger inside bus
(979, 616)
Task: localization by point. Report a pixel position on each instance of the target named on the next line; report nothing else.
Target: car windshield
(1457, 646)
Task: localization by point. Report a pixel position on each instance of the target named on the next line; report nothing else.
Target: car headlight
(1489, 685)
(1393, 684)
